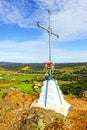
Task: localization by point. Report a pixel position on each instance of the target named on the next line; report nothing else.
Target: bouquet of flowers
(49, 67)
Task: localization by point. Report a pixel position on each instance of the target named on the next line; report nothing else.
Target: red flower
(49, 65)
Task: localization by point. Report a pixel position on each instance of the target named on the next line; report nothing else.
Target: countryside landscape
(43, 96)
(71, 77)
(22, 82)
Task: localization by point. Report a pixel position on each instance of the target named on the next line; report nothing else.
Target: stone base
(52, 98)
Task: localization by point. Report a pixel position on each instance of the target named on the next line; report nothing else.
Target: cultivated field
(72, 78)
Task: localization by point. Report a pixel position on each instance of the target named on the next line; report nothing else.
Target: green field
(72, 78)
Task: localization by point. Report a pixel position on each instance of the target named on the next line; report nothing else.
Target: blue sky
(22, 41)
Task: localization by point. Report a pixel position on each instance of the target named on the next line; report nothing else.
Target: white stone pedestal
(52, 98)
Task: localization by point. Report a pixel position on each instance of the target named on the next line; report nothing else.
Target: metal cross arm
(47, 29)
(55, 34)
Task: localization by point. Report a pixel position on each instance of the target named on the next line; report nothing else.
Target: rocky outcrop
(15, 114)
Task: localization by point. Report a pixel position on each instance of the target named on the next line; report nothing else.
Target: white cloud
(32, 51)
(9, 13)
(26, 46)
(15, 12)
(68, 17)
(28, 51)
(63, 55)
(71, 22)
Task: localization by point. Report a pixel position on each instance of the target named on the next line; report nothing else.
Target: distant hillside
(10, 65)
(17, 66)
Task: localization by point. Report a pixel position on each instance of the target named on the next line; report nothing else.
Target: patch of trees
(67, 77)
(75, 88)
(81, 71)
(61, 65)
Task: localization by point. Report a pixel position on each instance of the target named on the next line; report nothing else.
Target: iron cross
(49, 30)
